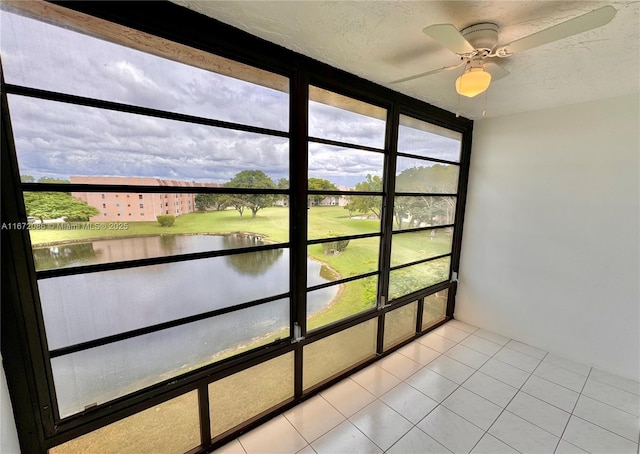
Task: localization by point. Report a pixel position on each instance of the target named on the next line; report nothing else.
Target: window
(289, 257)
(342, 177)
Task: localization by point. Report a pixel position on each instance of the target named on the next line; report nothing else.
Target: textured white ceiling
(383, 40)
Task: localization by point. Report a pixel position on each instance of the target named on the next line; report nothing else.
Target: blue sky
(59, 140)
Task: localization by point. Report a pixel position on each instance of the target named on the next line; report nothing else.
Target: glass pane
(79, 144)
(170, 427)
(241, 396)
(343, 216)
(104, 373)
(435, 308)
(413, 278)
(414, 175)
(83, 307)
(71, 244)
(340, 118)
(400, 324)
(344, 168)
(423, 211)
(334, 354)
(341, 259)
(413, 246)
(339, 301)
(41, 55)
(420, 138)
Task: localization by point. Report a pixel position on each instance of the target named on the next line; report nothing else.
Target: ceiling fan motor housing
(483, 36)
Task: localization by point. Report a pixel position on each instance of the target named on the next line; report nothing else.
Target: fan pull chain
(486, 95)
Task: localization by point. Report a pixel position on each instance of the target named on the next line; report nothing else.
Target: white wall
(551, 248)
(8, 434)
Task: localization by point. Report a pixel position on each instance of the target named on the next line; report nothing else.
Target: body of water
(80, 308)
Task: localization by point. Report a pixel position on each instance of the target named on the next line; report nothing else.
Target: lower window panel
(241, 396)
(336, 353)
(416, 277)
(103, 373)
(400, 324)
(435, 308)
(171, 427)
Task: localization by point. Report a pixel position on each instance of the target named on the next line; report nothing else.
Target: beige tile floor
(463, 390)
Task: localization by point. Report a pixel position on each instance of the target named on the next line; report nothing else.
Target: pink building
(125, 206)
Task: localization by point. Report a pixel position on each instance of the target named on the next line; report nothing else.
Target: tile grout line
(511, 400)
(574, 409)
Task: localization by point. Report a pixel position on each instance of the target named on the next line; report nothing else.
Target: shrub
(166, 220)
(334, 247)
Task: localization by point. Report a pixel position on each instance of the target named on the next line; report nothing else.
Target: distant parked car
(32, 219)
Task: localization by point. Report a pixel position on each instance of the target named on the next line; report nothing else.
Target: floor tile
(491, 445)
(517, 359)
(348, 397)
(419, 353)
(467, 356)
(522, 435)
(526, 349)
(595, 439)
(233, 447)
(375, 379)
(432, 384)
(451, 332)
(491, 389)
(314, 417)
(560, 376)
(409, 402)
(417, 442)
(540, 413)
(435, 342)
(473, 408)
(564, 447)
(551, 393)
(481, 345)
(381, 424)
(451, 430)
(307, 450)
(613, 396)
(491, 336)
(565, 363)
(451, 369)
(505, 373)
(617, 421)
(462, 325)
(625, 384)
(399, 365)
(345, 438)
(274, 436)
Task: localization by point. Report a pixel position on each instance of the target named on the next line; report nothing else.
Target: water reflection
(253, 263)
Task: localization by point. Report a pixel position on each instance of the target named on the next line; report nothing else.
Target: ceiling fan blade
(428, 73)
(497, 72)
(586, 22)
(449, 37)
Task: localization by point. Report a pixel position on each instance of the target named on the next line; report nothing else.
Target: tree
(205, 201)
(283, 183)
(429, 210)
(53, 205)
(365, 203)
(255, 202)
(52, 180)
(319, 184)
(27, 179)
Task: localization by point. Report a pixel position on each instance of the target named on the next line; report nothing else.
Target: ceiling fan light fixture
(473, 82)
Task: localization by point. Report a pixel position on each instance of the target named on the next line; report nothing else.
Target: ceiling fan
(477, 47)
